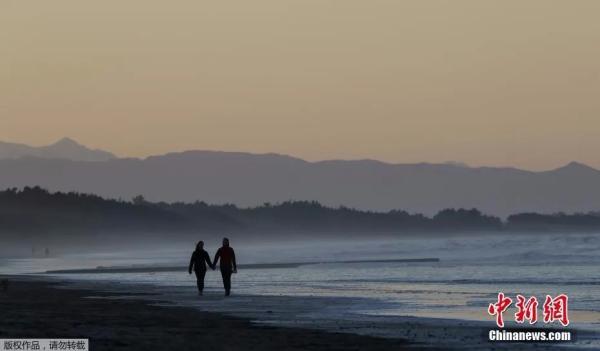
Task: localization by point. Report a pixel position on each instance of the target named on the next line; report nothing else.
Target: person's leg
(226, 274)
(228, 282)
(200, 280)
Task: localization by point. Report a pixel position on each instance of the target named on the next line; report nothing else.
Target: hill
(65, 148)
(252, 179)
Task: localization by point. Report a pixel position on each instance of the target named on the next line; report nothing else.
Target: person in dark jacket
(197, 263)
(227, 266)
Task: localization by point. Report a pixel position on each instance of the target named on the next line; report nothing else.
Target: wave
(471, 281)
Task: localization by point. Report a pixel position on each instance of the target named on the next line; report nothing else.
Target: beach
(41, 307)
(428, 304)
(37, 308)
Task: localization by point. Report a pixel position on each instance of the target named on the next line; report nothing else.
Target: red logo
(499, 307)
(557, 309)
(554, 309)
(526, 309)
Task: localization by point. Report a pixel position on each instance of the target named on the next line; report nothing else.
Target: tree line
(34, 209)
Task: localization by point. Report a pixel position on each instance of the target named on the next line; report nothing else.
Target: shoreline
(137, 317)
(154, 269)
(40, 308)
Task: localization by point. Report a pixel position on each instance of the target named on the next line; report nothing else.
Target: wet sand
(32, 308)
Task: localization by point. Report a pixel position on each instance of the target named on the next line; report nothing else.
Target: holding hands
(200, 260)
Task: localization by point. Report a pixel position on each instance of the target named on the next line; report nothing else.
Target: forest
(34, 209)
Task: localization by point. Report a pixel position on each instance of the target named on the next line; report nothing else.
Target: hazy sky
(485, 82)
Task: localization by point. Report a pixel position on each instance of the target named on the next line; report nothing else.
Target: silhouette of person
(227, 266)
(197, 262)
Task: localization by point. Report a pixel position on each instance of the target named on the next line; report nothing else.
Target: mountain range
(248, 179)
(65, 148)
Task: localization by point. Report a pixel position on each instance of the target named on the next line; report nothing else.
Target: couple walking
(227, 266)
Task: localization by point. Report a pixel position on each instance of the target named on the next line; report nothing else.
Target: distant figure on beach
(197, 263)
(227, 266)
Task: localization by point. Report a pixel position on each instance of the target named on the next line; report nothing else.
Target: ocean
(374, 298)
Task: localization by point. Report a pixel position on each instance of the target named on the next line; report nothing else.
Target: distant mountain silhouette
(252, 179)
(65, 148)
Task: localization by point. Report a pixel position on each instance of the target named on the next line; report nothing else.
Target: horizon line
(451, 163)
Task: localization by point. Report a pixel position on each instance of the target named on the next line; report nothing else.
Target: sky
(499, 83)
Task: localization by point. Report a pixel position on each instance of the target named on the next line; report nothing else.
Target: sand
(33, 308)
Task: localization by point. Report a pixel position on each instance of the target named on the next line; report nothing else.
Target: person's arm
(207, 259)
(191, 263)
(217, 255)
(233, 260)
